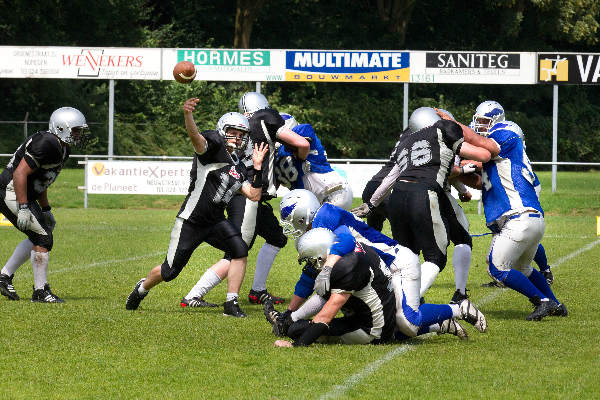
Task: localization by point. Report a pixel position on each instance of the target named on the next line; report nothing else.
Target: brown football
(184, 72)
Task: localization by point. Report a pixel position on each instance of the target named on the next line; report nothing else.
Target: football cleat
(560, 311)
(232, 308)
(548, 275)
(457, 297)
(45, 295)
(542, 309)
(493, 284)
(452, 327)
(262, 296)
(281, 321)
(135, 298)
(6, 287)
(196, 302)
(472, 315)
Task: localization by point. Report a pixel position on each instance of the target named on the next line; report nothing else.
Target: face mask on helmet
(313, 247)
(297, 210)
(252, 102)
(290, 121)
(421, 118)
(487, 114)
(69, 125)
(233, 120)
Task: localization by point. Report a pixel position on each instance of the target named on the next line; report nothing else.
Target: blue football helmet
(487, 114)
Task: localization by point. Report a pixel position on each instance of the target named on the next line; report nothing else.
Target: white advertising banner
(138, 177)
(80, 62)
(473, 67)
(228, 64)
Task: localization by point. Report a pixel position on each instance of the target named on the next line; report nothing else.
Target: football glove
(468, 168)
(363, 211)
(24, 218)
(322, 281)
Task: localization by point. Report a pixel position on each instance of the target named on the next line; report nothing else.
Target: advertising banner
(138, 177)
(80, 62)
(472, 67)
(569, 68)
(228, 64)
(347, 66)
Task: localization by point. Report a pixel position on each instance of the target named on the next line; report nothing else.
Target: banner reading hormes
(138, 177)
(79, 62)
(347, 66)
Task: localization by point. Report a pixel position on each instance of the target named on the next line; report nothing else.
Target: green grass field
(92, 348)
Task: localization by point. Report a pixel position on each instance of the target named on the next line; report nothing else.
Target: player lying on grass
(300, 211)
(215, 176)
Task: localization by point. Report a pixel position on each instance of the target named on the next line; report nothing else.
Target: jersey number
(225, 191)
(485, 181)
(420, 154)
(285, 171)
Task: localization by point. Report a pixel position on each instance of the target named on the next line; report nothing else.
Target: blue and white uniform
(314, 173)
(514, 214)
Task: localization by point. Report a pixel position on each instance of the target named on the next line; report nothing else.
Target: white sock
(19, 256)
(39, 261)
(310, 307)
(231, 296)
(209, 280)
(264, 262)
(434, 328)
(142, 290)
(455, 311)
(461, 261)
(429, 271)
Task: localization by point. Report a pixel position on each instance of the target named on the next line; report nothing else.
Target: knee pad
(496, 273)
(167, 272)
(406, 262)
(407, 319)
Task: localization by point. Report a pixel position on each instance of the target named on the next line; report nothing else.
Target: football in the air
(184, 72)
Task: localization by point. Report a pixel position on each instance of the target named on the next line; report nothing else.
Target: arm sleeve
(304, 286)
(386, 185)
(452, 134)
(344, 242)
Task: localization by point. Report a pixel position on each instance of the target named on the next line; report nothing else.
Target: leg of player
(41, 288)
(235, 277)
(19, 256)
(264, 261)
(211, 278)
(461, 262)
(542, 262)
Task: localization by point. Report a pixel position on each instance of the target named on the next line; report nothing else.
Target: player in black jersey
(256, 217)
(215, 176)
(418, 207)
(24, 197)
(359, 287)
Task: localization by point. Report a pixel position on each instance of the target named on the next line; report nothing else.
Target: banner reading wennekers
(472, 67)
(80, 62)
(569, 68)
(138, 177)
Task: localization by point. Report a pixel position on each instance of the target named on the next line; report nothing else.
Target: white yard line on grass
(353, 380)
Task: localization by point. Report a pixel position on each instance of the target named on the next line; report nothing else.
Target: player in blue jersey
(300, 211)
(513, 213)
(314, 173)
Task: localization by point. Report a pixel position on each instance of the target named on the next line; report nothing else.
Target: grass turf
(91, 347)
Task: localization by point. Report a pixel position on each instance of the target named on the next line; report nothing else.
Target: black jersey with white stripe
(264, 127)
(427, 156)
(45, 154)
(363, 275)
(215, 177)
(389, 164)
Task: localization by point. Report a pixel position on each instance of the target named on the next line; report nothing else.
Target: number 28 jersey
(215, 177)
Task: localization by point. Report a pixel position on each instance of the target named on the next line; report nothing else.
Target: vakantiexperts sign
(569, 68)
(347, 66)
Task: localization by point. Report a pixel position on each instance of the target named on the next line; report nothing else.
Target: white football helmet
(290, 121)
(314, 245)
(252, 102)
(421, 118)
(487, 114)
(69, 125)
(297, 210)
(233, 120)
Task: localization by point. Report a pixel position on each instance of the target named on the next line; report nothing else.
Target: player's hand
(468, 168)
(49, 220)
(258, 155)
(362, 211)
(190, 105)
(464, 197)
(322, 281)
(283, 343)
(24, 218)
(443, 115)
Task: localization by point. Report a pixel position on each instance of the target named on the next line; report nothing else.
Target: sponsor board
(138, 177)
(472, 67)
(228, 64)
(569, 68)
(347, 66)
(80, 62)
